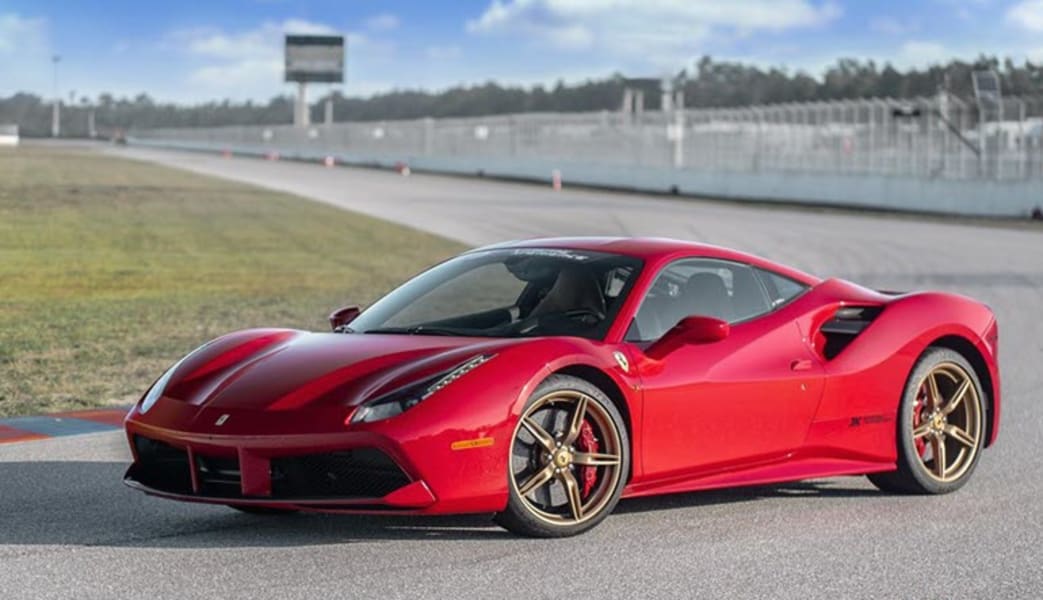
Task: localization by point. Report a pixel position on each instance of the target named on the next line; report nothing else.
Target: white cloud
(1027, 14)
(891, 26)
(449, 52)
(352, 39)
(214, 43)
(661, 30)
(240, 63)
(921, 53)
(265, 40)
(22, 35)
(382, 22)
(369, 48)
(246, 72)
(248, 63)
(25, 55)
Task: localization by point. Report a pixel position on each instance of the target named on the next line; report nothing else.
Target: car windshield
(510, 292)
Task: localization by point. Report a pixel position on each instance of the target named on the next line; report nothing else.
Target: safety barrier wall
(8, 135)
(930, 155)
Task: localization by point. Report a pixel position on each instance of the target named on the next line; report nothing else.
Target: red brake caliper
(921, 398)
(587, 443)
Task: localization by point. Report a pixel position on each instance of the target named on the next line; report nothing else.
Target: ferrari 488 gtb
(544, 380)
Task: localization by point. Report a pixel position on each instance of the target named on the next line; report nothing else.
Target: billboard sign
(315, 58)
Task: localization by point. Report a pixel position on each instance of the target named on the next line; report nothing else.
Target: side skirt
(778, 472)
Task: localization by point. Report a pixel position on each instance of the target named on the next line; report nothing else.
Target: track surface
(68, 528)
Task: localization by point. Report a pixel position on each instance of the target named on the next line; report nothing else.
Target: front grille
(218, 476)
(349, 474)
(361, 473)
(161, 466)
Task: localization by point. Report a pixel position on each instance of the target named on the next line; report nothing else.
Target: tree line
(709, 83)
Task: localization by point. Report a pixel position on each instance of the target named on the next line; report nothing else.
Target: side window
(713, 288)
(781, 289)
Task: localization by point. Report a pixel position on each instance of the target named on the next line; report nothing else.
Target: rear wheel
(940, 429)
(569, 460)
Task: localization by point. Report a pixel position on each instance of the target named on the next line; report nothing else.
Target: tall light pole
(56, 120)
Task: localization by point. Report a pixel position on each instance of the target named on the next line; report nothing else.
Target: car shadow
(85, 503)
(834, 488)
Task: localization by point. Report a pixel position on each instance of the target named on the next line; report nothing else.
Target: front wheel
(569, 460)
(940, 426)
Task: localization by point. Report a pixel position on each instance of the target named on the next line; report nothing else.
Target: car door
(745, 399)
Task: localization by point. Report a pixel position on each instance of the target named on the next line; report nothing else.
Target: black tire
(611, 451)
(263, 510)
(914, 475)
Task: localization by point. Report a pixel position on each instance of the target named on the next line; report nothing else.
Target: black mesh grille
(362, 473)
(218, 476)
(349, 474)
(161, 466)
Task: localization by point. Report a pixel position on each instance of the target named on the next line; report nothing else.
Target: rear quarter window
(781, 289)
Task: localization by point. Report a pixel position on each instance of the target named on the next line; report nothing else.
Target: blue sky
(194, 51)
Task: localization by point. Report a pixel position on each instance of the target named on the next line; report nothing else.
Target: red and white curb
(24, 429)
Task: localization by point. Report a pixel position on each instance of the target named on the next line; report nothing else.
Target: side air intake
(845, 326)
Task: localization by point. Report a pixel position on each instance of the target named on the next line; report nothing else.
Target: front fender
(467, 428)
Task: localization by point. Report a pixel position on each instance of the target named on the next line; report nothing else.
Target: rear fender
(866, 379)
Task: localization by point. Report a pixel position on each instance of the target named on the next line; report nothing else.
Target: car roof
(653, 250)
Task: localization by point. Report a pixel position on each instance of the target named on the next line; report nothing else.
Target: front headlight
(157, 389)
(401, 400)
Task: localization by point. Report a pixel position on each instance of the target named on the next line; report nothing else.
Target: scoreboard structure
(312, 59)
(315, 58)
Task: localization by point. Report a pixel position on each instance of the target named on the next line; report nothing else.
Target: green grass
(112, 269)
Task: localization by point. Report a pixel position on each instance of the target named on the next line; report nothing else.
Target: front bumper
(358, 479)
(363, 471)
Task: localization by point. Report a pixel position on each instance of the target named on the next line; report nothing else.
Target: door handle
(800, 364)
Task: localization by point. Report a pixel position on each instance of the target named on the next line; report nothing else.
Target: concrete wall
(943, 196)
(8, 135)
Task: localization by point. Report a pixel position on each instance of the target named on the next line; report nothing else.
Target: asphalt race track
(69, 528)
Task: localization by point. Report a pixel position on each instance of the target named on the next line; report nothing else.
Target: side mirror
(689, 331)
(342, 316)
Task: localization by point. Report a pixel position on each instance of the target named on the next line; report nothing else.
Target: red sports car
(544, 380)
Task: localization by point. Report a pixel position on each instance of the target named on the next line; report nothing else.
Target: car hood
(280, 370)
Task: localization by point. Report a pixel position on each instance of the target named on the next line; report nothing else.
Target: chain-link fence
(929, 138)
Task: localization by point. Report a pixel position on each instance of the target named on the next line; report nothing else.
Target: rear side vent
(845, 326)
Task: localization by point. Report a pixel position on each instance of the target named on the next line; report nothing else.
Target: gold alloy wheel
(562, 439)
(947, 423)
